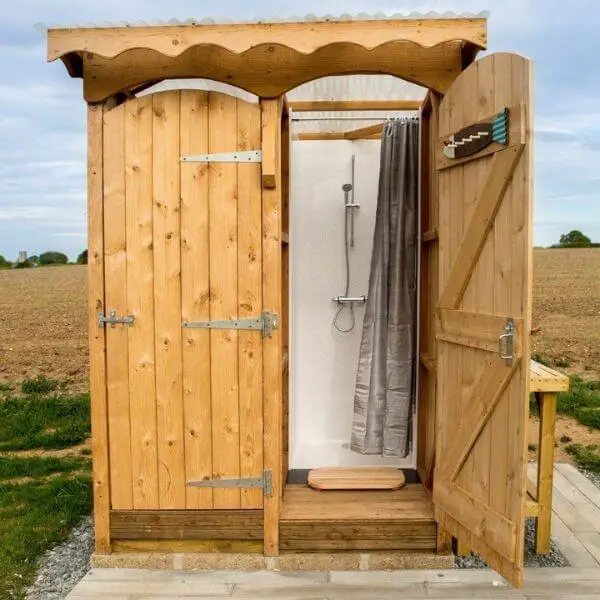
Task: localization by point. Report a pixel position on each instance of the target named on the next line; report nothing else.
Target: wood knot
(175, 42)
(169, 235)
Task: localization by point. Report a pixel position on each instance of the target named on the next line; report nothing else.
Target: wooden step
(356, 478)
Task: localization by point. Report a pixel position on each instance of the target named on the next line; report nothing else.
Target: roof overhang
(268, 59)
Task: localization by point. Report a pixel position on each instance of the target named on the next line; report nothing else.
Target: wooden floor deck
(313, 520)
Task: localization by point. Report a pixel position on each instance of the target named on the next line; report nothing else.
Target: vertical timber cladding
(485, 279)
(182, 242)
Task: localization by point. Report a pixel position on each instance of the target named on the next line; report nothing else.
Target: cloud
(43, 117)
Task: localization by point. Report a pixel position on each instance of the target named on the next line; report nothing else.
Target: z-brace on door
(182, 244)
(484, 309)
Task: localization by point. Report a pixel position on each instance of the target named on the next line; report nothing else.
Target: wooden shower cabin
(188, 259)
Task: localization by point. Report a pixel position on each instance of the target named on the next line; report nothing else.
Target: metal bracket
(506, 349)
(267, 322)
(246, 156)
(265, 482)
(113, 320)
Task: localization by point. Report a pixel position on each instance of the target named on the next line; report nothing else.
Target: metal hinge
(113, 320)
(265, 482)
(246, 156)
(267, 322)
(506, 342)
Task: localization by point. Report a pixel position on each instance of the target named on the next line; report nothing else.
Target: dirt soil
(43, 324)
(566, 306)
(565, 426)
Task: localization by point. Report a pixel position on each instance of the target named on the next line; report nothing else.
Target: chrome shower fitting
(345, 300)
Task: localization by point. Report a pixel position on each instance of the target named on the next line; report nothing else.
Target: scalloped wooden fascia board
(270, 71)
(304, 37)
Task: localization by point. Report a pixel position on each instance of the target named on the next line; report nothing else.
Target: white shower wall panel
(323, 361)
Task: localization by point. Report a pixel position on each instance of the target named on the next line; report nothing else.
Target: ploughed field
(566, 306)
(43, 317)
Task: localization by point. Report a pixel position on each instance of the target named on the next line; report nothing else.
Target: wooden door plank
(521, 300)
(167, 300)
(503, 273)
(271, 110)
(487, 390)
(483, 522)
(115, 272)
(97, 339)
(195, 289)
(501, 171)
(250, 302)
(140, 301)
(224, 344)
(475, 473)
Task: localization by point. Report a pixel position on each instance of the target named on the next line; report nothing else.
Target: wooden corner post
(97, 339)
(271, 113)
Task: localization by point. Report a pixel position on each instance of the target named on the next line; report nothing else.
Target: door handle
(506, 342)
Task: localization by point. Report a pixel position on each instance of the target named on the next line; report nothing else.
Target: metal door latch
(506, 342)
(265, 482)
(113, 320)
(267, 322)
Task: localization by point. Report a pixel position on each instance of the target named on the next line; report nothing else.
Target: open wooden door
(483, 315)
(183, 267)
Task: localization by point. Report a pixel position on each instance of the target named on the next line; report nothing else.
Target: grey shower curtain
(385, 382)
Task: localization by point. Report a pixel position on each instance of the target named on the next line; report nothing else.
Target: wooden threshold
(314, 521)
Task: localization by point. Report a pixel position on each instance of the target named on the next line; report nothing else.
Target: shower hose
(350, 306)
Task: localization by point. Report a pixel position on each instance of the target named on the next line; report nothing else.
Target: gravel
(593, 477)
(62, 567)
(555, 558)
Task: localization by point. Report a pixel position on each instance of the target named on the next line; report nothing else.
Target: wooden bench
(545, 383)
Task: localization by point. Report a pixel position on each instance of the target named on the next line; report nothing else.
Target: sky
(43, 116)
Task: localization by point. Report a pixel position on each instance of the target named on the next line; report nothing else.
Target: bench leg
(547, 410)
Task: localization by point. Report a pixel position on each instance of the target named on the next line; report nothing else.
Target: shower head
(347, 187)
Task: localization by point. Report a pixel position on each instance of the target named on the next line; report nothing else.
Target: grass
(42, 497)
(51, 421)
(587, 457)
(35, 516)
(582, 401)
(39, 385)
(39, 466)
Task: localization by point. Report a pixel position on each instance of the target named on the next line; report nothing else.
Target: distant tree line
(575, 239)
(49, 258)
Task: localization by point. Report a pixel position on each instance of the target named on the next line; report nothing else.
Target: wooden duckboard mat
(313, 520)
(356, 478)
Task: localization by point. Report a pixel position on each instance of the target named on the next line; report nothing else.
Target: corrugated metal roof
(310, 18)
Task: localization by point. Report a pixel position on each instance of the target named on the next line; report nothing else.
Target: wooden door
(485, 283)
(182, 243)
